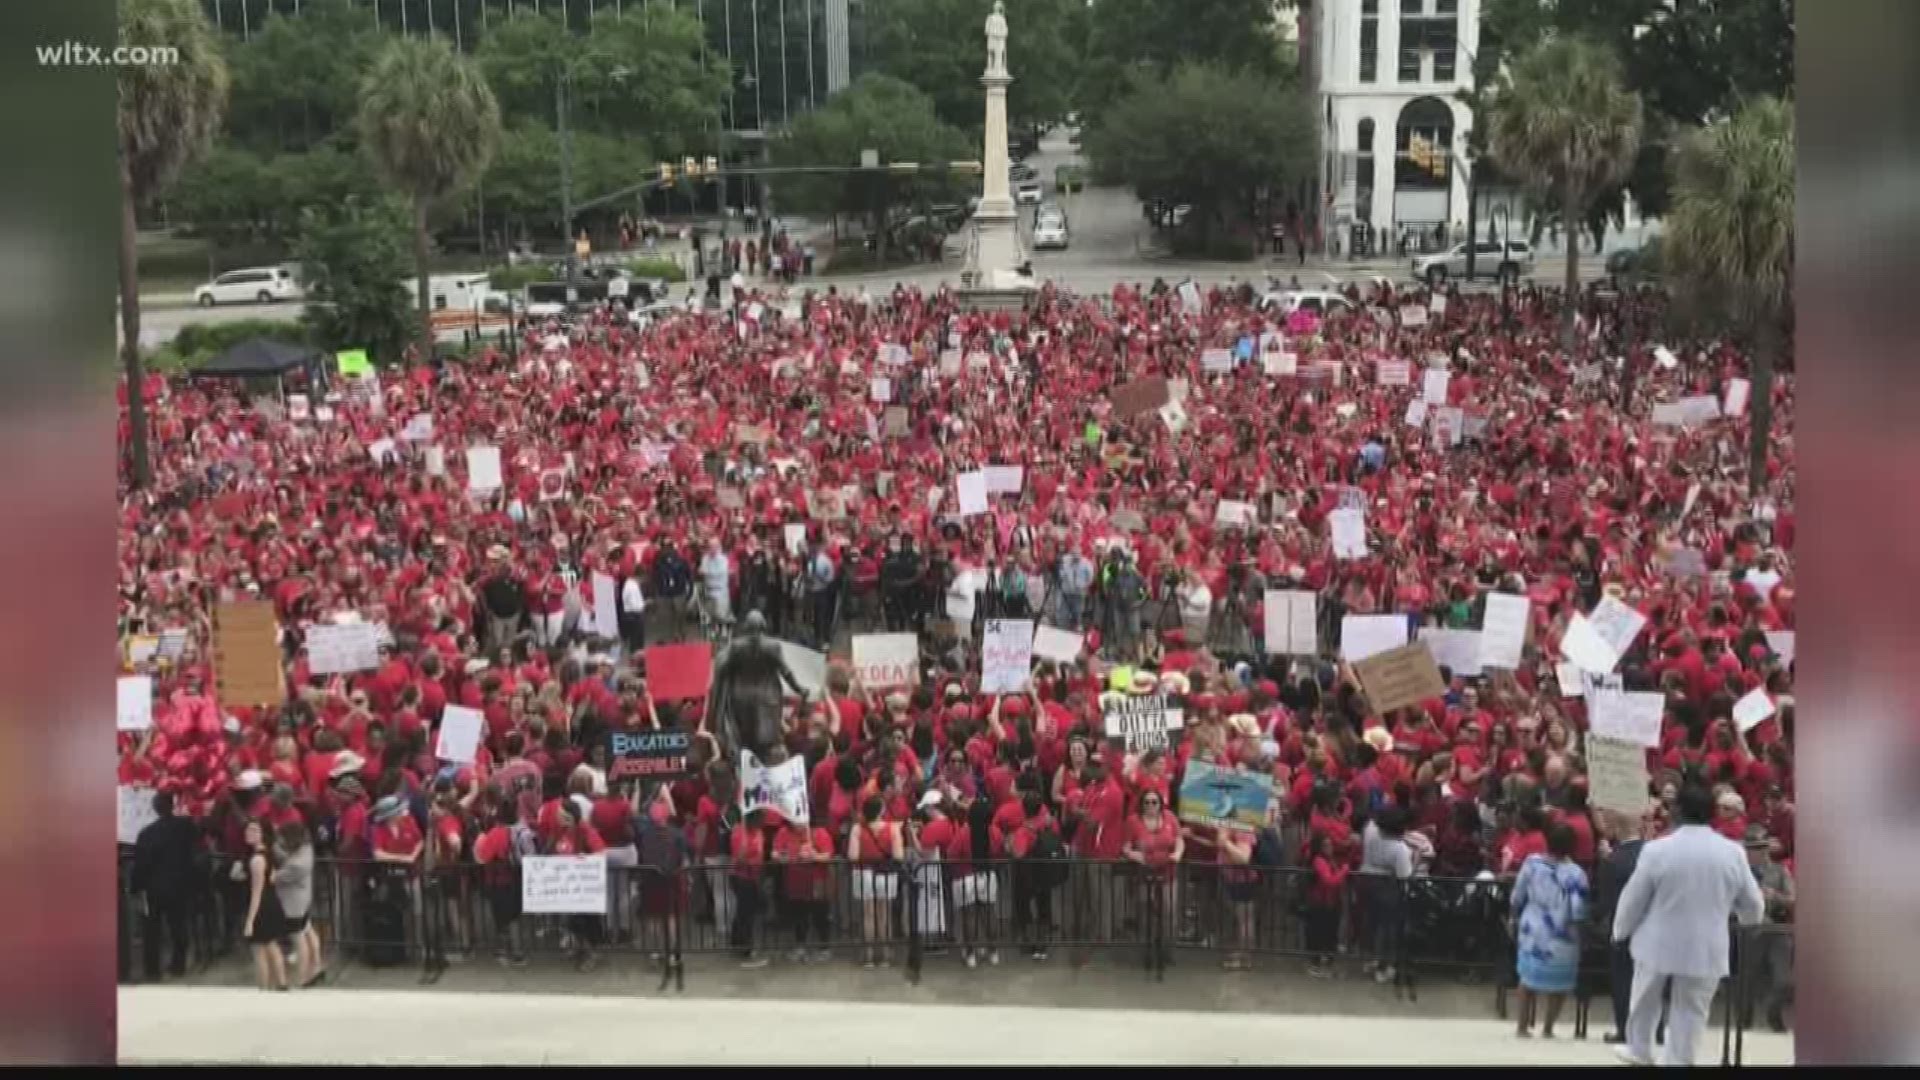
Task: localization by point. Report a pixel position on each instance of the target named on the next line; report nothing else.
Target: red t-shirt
(397, 835)
(1155, 844)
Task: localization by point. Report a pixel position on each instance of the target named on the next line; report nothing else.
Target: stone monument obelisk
(995, 257)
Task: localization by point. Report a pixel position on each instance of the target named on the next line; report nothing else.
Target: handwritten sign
(1751, 710)
(1400, 677)
(883, 660)
(133, 705)
(1006, 656)
(246, 654)
(1234, 513)
(1393, 373)
(782, 788)
(335, 650)
(1630, 717)
(1057, 645)
(483, 469)
(1413, 315)
(1583, 646)
(1005, 479)
(1736, 401)
(135, 810)
(1216, 361)
(1783, 644)
(1433, 386)
(564, 884)
(880, 390)
(971, 488)
(648, 755)
(1291, 618)
(1362, 636)
(1503, 630)
(1688, 411)
(1616, 775)
(460, 731)
(1456, 650)
(1349, 528)
(419, 429)
(895, 421)
(1617, 624)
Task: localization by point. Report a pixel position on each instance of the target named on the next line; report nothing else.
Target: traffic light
(666, 172)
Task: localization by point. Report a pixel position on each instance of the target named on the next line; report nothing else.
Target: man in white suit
(1674, 910)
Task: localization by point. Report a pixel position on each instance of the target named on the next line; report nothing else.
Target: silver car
(1050, 232)
(1435, 269)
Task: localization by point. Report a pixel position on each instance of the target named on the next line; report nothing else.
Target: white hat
(251, 780)
(931, 798)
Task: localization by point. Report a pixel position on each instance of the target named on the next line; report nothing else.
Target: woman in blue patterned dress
(1549, 905)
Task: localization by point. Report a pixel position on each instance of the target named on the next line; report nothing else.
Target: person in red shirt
(875, 847)
(576, 837)
(1325, 894)
(749, 860)
(1033, 885)
(1527, 838)
(805, 852)
(1155, 843)
(976, 882)
(396, 836)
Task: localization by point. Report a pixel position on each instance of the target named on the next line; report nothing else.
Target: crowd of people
(795, 457)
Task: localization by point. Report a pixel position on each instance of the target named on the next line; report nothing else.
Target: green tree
(879, 113)
(1128, 38)
(430, 124)
(296, 79)
(1210, 137)
(940, 47)
(168, 114)
(354, 264)
(1729, 244)
(1562, 124)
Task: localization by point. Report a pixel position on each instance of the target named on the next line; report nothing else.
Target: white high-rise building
(1388, 73)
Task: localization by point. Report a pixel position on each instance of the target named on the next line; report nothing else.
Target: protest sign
(299, 407)
(1437, 303)
(1616, 776)
(781, 787)
(1128, 521)
(1291, 618)
(1146, 723)
(173, 643)
(1736, 402)
(1617, 624)
(1216, 361)
(1394, 373)
(1630, 717)
(1189, 293)
(1782, 644)
(1139, 396)
(678, 672)
(1349, 529)
(971, 489)
(336, 649)
(1449, 426)
(354, 363)
(1456, 650)
(795, 534)
(460, 732)
(1583, 645)
(1503, 630)
(809, 667)
(418, 429)
(894, 353)
(1232, 799)
(1006, 656)
(134, 807)
(1231, 512)
(1682, 562)
(1362, 636)
(1688, 411)
(1568, 674)
(563, 884)
(606, 607)
(1752, 709)
(483, 469)
(1413, 315)
(1400, 677)
(1433, 386)
(1005, 479)
(1417, 413)
(895, 421)
(949, 363)
(648, 755)
(246, 654)
(383, 451)
(825, 505)
(436, 461)
(880, 390)
(885, 660)
(1059, 646)
(141, 649)
(133, 703)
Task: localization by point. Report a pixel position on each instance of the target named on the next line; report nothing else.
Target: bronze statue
(746, 693)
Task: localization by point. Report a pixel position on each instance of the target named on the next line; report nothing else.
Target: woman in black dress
(266, 927)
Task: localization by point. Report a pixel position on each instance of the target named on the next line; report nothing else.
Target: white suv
(264, 284)
(1435, 269)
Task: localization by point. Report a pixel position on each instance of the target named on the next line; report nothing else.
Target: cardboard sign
(648, 755)
(1232, 799)
(1503, 630)
(1633, 718)
(679, 672)
(1140, 396)
(809, 667)
(1616, 776)
(1006, 656)
(135, 811)
(1751, 710)
(246, 654)
(971, 488)
(886, 660)
(564, 884)
(1059, 646)
(1292, 623)
(460, 732)
(483, 469)
(1400, 677)
(1456, 650)
(781, 788)
(1362, 636)
(133, 703)
(1144, 722)
(1349, 528)
(336, 650)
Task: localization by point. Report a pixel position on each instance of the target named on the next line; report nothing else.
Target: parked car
(1488, 258)
(1636, 264)
(1050, 232)
(1319, 301)
(262, 284)
(1069, 178)
(1027, 192)
(1020, 170)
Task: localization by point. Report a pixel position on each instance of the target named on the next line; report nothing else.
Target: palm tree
(1563, 122)
(168, 114)
(431, 124)
(1729, 244)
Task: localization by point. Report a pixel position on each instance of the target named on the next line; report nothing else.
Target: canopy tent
(261, 358)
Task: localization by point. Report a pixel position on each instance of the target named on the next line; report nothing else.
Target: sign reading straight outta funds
(1147, 723)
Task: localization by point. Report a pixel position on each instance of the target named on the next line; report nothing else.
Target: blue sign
(1232, 798)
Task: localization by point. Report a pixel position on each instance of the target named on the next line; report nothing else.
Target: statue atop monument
(997, 38)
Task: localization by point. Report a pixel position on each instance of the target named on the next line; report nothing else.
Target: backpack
(1269, 850)
(1046, 859)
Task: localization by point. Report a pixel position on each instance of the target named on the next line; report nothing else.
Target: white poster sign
(1291, 618)
(1144, 721)
(133, 703)
(1688, 411)
(1413, 315)
(1433, 386)
(1349, 534)
(1503, 632)
(436, 461)
(1586, 649)
(1750, 710)
(1417, 413)
(781, 787)
(1216, 361)
(460, 730)
(1005, 479)
(1736, 403)
(809, 667)
(1006, 656)
(1630, 717)
(884, 660)
(606, 607)
(1362, 636)
(1782, 644)
(881, 390)
(1568, 673)
(1231, 512)
(795, 533)
(1616, 775)
(1617, 624)
(971, 488)
(1059, 646)
(135, 807)
(1456, 650)
(336, 649)
(418, 429)
(1394, 373)
(483, 469)
(565, 884)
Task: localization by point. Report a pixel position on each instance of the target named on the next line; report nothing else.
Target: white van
(259, 284)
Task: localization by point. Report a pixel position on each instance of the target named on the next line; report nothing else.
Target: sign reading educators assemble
(648, 755)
